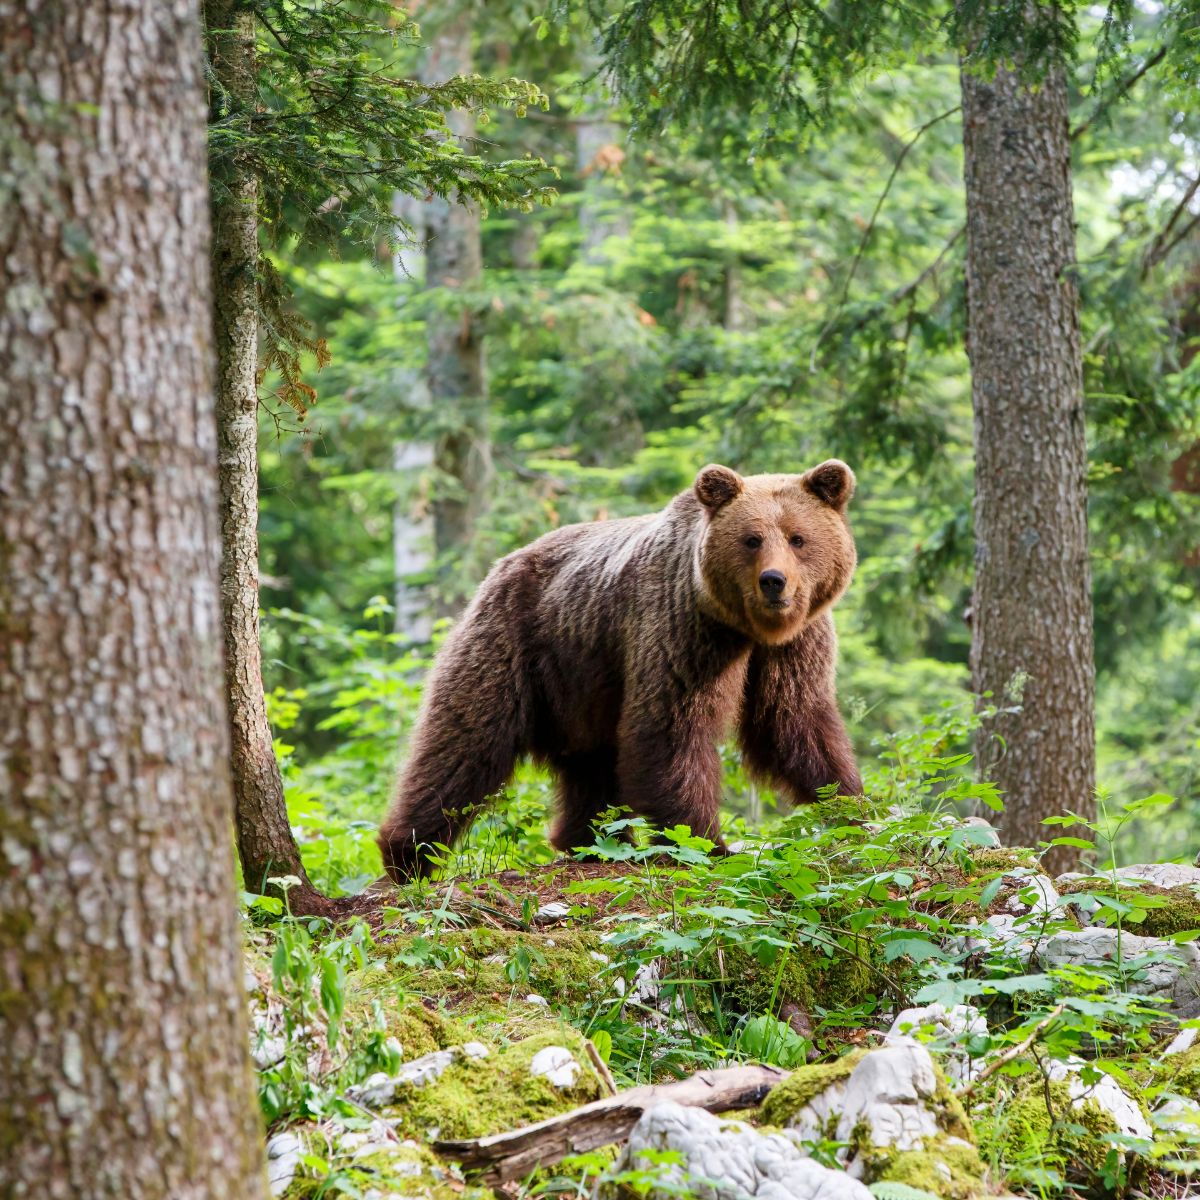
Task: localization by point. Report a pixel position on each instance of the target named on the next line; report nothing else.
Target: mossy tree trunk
(264, 836)
(1032, 607)
(126, 1071)
(454, 366)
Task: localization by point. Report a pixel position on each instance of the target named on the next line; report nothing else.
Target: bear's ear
(716, 486)
(832, 482)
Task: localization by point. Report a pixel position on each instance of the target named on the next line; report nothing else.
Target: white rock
(283, 1157)
(1035, 893)
(552, 913)
(646, 983)
(952, 1025)
(540, 1001)
(557, 1065)
(381, 1088)
(1163, 875)
(1175, 971)
(1177, 1115)
(728, 1160)
(1106, 1092)
(1183, 1040)
(889, 1092)
(267, 1049)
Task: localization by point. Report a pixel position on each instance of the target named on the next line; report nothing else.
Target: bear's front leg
(668, 768)
(792, 733)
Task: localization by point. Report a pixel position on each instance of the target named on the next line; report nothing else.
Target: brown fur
(618, 654)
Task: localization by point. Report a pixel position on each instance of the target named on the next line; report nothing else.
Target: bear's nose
(772, 583)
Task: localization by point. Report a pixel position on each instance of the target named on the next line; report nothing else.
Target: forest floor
(1026, 1018)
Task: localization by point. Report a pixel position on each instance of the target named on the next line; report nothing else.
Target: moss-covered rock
(1170, 911)
(474, 971)
(947, 1167)
(786, 1099)
(402, 1169)
(1070, 1135)
(1003, 858)
(895, 1115)
(477, 1096)
(807, 977)
(1180, 1073)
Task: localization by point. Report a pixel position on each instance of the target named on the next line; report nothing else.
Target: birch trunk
(1032, 608)
(122, 1015)
(264, 836)
(455, 368)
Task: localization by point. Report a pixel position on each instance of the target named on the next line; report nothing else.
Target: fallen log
(503, 1157)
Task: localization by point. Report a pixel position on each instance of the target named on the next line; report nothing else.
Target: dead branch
(507, 1156)
(1013, 1051)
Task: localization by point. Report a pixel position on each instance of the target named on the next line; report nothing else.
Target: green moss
(787, 1098)
(951, 1116)
(943, 1167)
(1180, 1073)
(805, 976)
(1003, 858)
(480, 1096)
(1176, 908)
(1072, 1137)
(405, 1170)
(477, 970)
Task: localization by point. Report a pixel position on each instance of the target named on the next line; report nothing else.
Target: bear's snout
(771, 584)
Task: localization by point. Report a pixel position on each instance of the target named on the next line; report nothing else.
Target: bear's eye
(796, 540)
(752, 542)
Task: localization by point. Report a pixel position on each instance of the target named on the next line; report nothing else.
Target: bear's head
(776, 550)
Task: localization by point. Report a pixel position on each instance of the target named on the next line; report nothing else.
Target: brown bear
(618, 653)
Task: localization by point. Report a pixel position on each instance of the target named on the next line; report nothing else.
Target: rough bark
(264, 836)
(455, 367)
(1032, 608)
(126, 1069)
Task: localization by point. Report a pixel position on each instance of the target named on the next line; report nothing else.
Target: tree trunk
(1032, 608)
(412, 528)
(122, 1014)
(265, 842)
(603, 212)
(455, 370)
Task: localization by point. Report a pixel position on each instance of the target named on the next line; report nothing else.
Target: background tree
(312, 134)
(122, 1010)
(1031, 644)
(1022, 335)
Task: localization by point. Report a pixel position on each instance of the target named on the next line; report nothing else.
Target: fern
(887, 1190)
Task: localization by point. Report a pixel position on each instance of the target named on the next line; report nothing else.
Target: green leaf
(1159, 800)
(990, 892)
(918, 949)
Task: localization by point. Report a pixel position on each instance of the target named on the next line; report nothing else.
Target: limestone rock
(1175, 971)
(557, 1065)
(729, 1160)
(1033, 892)
(381, 1088)
(951, 1026)
(889, 1095)
(283, 1157)
(1105, 1092)
(1163, 875)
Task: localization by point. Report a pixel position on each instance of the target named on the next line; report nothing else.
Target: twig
(1122, 88)
(1161, 247)
(601, 1067)
(1012, 1052)
(870, 229)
